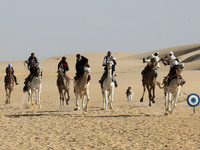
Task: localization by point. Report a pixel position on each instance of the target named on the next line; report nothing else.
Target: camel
(81, 88)
(172, 91)
(63, 87)
(9, 85)
(34, 88)
(108, 87)
(149, 81)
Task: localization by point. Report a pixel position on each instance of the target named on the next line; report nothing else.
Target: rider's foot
(16, 83)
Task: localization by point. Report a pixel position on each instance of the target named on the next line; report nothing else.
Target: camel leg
(29, 98)
(38, 97)
(170, 100)
(64, 97)
(77, 102)
(150, 96)
(83, 102)
(67, 100)
(106, 99)
(144, 89)
(177, 95)
(111, 98)
(174, 99)
(32, 93)
(6, 96)
(9, 96)
(153, 101)
(103, 107)
(88, 98)
(166, 103)
(60, 93)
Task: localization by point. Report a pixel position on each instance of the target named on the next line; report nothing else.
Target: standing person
(149, 61)
(173, 62)
(12, 72)
(81, 62)
(64, 66)
(106, 58)
(129, 94)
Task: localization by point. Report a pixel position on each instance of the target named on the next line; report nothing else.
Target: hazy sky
(56, 27)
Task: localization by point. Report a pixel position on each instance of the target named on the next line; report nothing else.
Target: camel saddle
(171, 78)
(77, 77)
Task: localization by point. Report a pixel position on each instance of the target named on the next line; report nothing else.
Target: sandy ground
(130, 125)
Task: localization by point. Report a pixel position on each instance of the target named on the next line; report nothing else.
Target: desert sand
(130, 125)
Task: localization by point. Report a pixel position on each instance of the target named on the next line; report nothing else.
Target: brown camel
(63, 87)
(81, 89)
(9, 84)
(149, 82)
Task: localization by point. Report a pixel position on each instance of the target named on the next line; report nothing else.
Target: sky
(58, 27)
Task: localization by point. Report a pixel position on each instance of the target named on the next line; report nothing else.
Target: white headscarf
(9, 65)
(174, 62)
(172, 56)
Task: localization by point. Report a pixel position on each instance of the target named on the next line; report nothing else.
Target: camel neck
(83, 81)
(109, 74)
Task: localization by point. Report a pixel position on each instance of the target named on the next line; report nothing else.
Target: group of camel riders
(82, 62)
(170, 59)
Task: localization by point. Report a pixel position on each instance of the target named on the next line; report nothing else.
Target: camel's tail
(159, 85)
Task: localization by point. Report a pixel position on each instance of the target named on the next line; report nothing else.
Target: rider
(173, 62)
(64, 66)
(12, 72)
(104, 76)
(33, 63)
(149, 62)
(81, 62)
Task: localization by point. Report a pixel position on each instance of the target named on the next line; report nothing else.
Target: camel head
(109, 64)
(153, 63)
(39, 71)
(60, 71)
(87, 70)
(180, 67)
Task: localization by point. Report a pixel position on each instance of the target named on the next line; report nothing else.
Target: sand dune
(132, 125)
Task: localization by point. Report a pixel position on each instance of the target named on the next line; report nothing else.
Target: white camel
(172, 91)
(34, 88)
(108, 87)
(81, 88)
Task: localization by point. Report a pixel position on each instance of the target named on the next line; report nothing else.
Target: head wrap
(9, 65)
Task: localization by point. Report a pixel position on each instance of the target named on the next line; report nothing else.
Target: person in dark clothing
(12, 72)
(81, 62)
(32, 63)
(63, 65)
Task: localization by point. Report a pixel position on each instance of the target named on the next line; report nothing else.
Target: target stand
(193, 100)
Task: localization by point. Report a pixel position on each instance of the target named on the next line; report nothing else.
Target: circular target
(193, 100)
